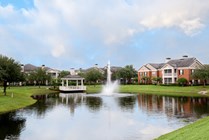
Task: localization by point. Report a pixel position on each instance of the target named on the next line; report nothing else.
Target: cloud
(93, 30)
(58, 50)
(192, 27)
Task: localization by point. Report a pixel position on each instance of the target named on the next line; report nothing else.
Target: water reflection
(94, 103)
(127, 103)
(11, 125)
(174, 106)
(74, 116)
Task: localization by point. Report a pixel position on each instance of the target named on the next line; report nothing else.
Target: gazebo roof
(72, 77)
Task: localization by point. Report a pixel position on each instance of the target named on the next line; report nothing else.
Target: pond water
(99, 117)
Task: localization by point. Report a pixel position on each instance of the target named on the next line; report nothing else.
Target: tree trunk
(5, 87)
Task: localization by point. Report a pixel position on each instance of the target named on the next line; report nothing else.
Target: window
(168, 71)
(154, 73)
(181, 72)
(141, 73)
(168, 80)
(192, 71)
(145, 74)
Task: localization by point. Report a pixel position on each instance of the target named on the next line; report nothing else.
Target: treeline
(11, 72)
(126, 75)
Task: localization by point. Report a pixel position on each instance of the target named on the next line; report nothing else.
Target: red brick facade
(170, 71)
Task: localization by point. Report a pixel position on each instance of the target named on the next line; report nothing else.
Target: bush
(182, 81)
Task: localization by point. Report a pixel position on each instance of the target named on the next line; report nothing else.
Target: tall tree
(127, 73)
(63, 73)
(40, 76)
(10, 71)
(93, 76)
(202, 74)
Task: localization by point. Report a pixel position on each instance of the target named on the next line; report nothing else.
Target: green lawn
(196, 131)
(154, 89)
(21, 97)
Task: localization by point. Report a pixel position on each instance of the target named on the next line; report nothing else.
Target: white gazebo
(67, 84)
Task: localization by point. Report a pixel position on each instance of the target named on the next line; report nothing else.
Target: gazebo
(72, 83)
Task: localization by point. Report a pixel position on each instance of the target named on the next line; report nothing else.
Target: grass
(21, 97)
(195, 131)
(158, 90)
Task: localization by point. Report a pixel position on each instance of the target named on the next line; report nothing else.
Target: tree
(93, 76)
(63, 74)
(10, 71)
(40, 76)
(182, 81)
(157, 80)
(145, 79)
(127, 73)
(202, 74)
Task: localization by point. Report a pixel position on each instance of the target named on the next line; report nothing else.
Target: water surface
(93, 117)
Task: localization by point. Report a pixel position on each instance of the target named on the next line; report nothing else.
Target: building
(29, 68)
(170, 71)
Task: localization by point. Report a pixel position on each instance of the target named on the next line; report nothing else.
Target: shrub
(182, 81)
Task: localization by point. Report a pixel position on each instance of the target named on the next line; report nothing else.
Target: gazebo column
(66, 82)
(62, 82)
(82, 82)
(76, 82)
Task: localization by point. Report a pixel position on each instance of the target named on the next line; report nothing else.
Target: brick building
(170, 71)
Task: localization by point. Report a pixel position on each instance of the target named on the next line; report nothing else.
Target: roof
(72, 77)
(157, 65)
(94, 68)
(112, 68)
(29, 67)
(184, 62)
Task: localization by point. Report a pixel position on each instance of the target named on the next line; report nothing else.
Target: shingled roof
(29, 67)
(72, 77)
(184, 62)
(157, 65)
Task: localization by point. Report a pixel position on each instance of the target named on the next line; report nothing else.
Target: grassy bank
(21, 97)
(196, 131)
(154, 89)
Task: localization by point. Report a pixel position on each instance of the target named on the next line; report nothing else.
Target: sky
(65, 34)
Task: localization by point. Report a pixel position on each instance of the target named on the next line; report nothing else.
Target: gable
(196, 65)
(151, 67)
(143, 69)
(167, 66)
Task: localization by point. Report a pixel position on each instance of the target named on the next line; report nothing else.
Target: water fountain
(111, 87)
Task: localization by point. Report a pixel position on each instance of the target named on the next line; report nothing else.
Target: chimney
(43, 66)
(96, 65)
(72, 71)
(167, 59)
(185, 56)
(22, 68)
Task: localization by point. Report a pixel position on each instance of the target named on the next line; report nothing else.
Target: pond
(99, 117)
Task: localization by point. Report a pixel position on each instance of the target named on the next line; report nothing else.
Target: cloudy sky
(68, 34)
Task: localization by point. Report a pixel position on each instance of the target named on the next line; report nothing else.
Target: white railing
(167, 74)
(71, 88)
(170, 74)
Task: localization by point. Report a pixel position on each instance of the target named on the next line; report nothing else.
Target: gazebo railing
(72, 88)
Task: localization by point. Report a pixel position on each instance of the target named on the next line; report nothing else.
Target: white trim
(166, 66)
(144, 69)
(151, 67)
